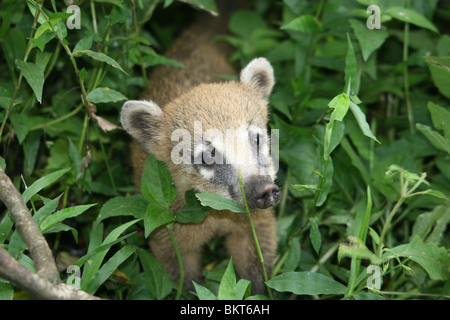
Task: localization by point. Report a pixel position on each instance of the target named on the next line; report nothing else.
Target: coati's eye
(208, 157)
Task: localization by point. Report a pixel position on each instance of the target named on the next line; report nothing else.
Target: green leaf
(369, 40)
(429, 256)
(203, 293)
(21, 125)
(306, 23)
(436, 139)
(135, 206)
(208, 5)
(352, 75)
(42, 183)
(219, 202)
(84, 44)
(315, 236)
(97, 252)
(100, 56)
(46, 210)
(362, 122)
(435, 219)
(193, 211)
(305, 283)
(155, 278)
(301, 187)
(156, 183)
(156, 216)
(293, 255)
(105, 95)
(34, 74)
(228, 288)
(440, 117)
(63, 214)
(410, 16)
(440, 72)
(109, 267)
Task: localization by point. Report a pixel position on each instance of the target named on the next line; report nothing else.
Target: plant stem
(169, 228)
(406, 74)
(255, 237)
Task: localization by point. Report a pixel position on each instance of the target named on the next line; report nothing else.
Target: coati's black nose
(267, 195)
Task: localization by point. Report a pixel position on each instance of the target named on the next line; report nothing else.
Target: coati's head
(210, 133)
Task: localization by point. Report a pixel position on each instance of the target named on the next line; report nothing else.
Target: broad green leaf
(369, 40)
(315, 236)
(21, 125)
(440, 117)
(34, 74)
(203, 293)
(135, 206)
(306, 23)
(109, 267)
(156, 183)
(357, 249)
(228, 288)
(154, 59)
(435, 260)
(440, 72)
(432, 223)
(410, 16)
(84, 44)
(340, 104)
(156, 279)
(219, 202)
(293, 255)
(105, 95)
(193, 211)
(156, 216)
(100, 56)
(362, 122)
(63, 214)
(435, 138)
(6, 291)
(42, 183)
(306, 283)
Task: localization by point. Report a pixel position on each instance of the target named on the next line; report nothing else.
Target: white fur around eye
(208, 174)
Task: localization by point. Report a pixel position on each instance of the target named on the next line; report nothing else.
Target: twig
(36, 285)
(27, 227)
(45, 284)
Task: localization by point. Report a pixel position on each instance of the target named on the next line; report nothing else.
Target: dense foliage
(364, 142)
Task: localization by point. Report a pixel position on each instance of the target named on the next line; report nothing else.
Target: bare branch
(45, 284)
(36, 285)
(25, 224)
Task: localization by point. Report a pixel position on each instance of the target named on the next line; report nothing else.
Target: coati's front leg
(241, 246)
(190, 239)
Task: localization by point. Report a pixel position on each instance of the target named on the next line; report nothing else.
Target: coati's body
(197, 94)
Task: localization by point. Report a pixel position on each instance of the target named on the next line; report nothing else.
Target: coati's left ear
(141, 119)
(258, 74)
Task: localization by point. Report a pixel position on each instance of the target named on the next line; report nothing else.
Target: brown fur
(197, 93)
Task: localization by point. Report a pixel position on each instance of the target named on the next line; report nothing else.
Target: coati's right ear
(141, 119)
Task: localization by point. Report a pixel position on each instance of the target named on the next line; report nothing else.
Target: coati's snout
(261, 192)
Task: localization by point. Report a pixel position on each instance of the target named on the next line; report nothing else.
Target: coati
(193, 97)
